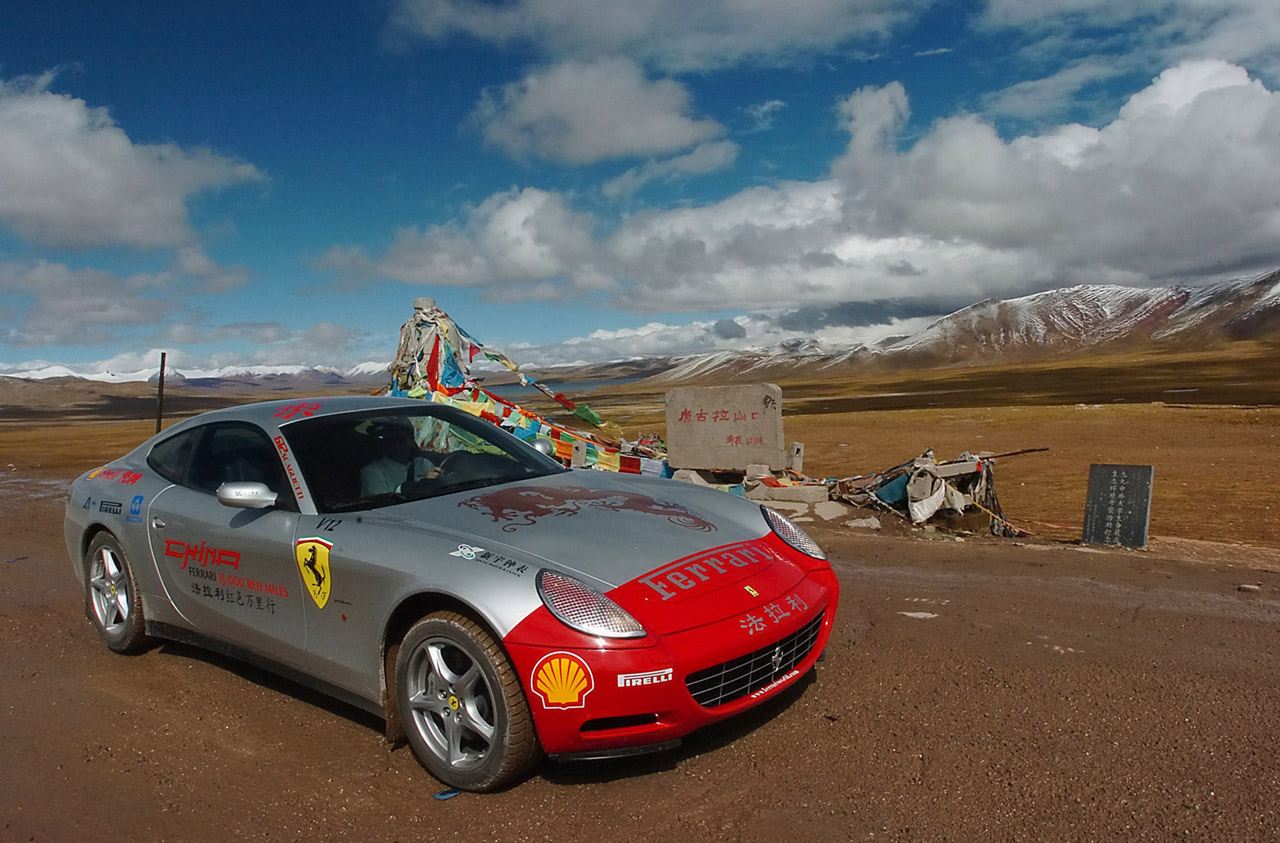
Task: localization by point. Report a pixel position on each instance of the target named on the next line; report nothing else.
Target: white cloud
(513, 238)
(76, 306)
(1181, 183)
(1183, 179)
(763, 114)
(671, 34)
(1091, 36)
(1035, 98)
(662, 339)
(584, 112)
(655, 339)
(191, 260)
(69, 177)
(198, 333)
(706, 158)
(54, 304)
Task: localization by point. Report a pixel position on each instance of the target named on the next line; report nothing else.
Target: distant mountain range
(285, 377)
(1087, 318)
(1072, 320)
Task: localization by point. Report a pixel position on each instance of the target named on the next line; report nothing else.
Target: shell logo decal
(313, 563)
(562, 680)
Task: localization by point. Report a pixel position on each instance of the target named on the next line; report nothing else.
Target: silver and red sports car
(431, 568)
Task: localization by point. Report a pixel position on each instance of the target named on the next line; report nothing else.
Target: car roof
(273, 414)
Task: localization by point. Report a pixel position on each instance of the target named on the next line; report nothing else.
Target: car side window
(169, 458)
(235, 452)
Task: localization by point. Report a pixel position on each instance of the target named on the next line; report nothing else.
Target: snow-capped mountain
(1053, 323)
(370, 373)
(1064, 321)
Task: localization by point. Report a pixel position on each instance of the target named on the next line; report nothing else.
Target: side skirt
(213, 645)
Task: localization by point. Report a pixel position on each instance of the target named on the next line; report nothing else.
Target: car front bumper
(648, 694)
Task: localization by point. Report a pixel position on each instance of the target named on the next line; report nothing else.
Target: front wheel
(462, 706)
(111, 596)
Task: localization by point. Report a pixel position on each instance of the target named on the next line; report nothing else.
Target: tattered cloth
(433, 361)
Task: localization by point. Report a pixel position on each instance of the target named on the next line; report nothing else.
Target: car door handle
(157, 523)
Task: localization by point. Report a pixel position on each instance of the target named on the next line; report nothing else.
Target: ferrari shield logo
(313, 562)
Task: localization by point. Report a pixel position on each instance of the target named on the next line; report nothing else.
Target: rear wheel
(111, 596)
(463, 710)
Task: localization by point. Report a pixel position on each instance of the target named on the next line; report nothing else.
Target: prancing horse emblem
(313, 563)
(776, 661)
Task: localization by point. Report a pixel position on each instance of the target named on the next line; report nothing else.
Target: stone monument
(725, 428)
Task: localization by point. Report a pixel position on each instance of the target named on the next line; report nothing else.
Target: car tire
(464, 711)
(111, 596)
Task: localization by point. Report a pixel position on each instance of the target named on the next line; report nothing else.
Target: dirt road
(972, 691)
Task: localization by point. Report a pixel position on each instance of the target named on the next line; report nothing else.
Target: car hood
(607, 527)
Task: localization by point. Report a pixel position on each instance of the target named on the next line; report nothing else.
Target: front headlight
(790, 533)
(583, 608)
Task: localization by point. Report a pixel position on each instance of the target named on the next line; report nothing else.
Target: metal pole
(160, 394)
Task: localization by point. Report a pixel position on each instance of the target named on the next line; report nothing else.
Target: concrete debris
(828, 510)
(871, 523)
(688, 475)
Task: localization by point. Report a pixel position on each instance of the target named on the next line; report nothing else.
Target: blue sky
(253, 184)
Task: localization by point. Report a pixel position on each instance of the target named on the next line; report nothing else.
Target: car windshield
(376, 458)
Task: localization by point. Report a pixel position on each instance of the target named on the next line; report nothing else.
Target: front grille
(747, 674)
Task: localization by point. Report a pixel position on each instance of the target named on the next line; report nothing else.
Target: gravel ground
(976, 690)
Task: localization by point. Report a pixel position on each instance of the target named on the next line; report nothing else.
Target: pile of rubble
(918, 491)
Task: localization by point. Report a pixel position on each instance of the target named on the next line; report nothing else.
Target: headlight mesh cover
(790, 533)
(585, 609)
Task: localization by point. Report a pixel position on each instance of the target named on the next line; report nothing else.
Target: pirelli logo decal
(652, 677)
(693, 571)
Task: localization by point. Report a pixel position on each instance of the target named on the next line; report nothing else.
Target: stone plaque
(1117, 509)
(725, 427)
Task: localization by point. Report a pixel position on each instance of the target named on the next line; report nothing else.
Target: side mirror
(543, 446)
(246, 495)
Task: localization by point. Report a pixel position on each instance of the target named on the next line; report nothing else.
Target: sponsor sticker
(772, 613)
(313, 562)
(305, 409)
(119, 475)
(781, 680)
(135, 510)
(562, 680)
(497, 561)
(650, 677)
(690, 573)
(224, 595)
(202, 553)
(283, 448)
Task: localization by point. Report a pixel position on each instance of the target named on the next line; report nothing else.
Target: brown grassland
(1207, 421)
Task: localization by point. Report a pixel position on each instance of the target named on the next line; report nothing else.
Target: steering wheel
(451, 461)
